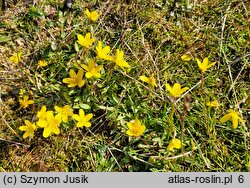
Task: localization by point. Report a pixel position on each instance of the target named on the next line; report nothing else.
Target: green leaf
(53, 45)
(76, 47)
(4, 39)
(35, 12)
(66, 96)
(3, 25)
(76, 106)
(84, 106)
(106, 108)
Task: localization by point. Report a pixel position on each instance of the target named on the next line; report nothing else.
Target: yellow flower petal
(168, 87)
(30, 102)
(184, 89)
(16, 57)
(225, 118)
(76, 117)
(170, 147)
(88, 74)
(177, 143)
(80, 73)
(87, 13)
(205, 62)
(55, 129)
(214, 103)
(87, 124)
(99, 67)
(81, 83)
(144, 79)
(46, 132)
(119, 59)
(85, 67)
(91, 64)
(88, 117)
(23, 128)
(79, 124)
(42, 123)
(186, 57)
(211, 64)
(72, 73)
(130, 133)
(130, 125)
(235, 122)
(42, 63)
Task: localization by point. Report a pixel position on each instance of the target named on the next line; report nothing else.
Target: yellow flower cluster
(50, 122)
(203, 66)
(177, 91)
(92, 69)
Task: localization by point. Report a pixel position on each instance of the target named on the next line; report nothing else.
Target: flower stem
(171, 117)
(204, 105)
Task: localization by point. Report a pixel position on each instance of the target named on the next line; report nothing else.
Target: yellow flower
(233, 116)
(149, 80)
(29, 128)
(25, 102)
(85, 41)
(82, 119)
(174, 143)
(214, 103)
(42, 114)
(119, 60)
(176, 90)
(21, 92)
(92, 15)
(135, 128)
(50, 125)
(64, 112)
(102, 53)
(92, 70)
(42, 63)
(75, 79)
(186, 57)
(204, 65)
(16, 57)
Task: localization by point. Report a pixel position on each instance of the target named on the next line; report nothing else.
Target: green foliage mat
(142, 120)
